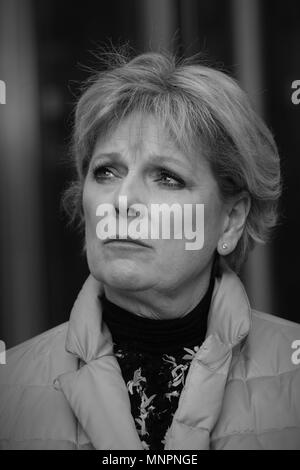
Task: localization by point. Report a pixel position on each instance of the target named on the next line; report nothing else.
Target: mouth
(128, 240)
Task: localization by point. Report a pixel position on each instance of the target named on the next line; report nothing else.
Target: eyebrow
(165, 158)
(113, 155)
(154, 159)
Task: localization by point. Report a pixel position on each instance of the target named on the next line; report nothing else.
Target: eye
(103, 173)
(169, 179)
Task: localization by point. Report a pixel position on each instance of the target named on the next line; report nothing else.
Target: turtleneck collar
(229, 317)
(157, 336)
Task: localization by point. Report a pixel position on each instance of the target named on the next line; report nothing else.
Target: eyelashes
(98, 172)
(166, 174)
(162, 176)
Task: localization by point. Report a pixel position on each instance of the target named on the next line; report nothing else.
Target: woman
(162, 350)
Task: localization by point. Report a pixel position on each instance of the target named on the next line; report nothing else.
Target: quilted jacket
(63, 389)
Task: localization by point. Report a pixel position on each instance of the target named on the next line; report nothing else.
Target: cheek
(213, 219)
(90, 203)
(174, 253)
(175, 263)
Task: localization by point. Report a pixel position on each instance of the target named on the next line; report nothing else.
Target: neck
(162, 304)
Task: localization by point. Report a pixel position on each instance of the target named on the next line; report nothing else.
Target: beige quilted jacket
(63, 389)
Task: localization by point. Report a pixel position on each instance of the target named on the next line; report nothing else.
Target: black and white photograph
(149, 233)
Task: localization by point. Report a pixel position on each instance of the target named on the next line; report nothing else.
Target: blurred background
(45, 49)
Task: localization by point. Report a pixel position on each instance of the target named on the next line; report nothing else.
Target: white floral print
(136, 381)
(148, 408)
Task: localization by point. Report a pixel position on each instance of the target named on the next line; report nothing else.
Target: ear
(237, 210)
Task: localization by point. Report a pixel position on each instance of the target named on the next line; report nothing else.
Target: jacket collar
(98, 394)
(88, 337)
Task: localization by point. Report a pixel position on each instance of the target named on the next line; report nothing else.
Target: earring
(224, 246)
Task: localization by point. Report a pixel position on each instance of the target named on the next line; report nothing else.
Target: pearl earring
(224, 246)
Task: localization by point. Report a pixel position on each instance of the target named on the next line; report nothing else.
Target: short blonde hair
(203, 108)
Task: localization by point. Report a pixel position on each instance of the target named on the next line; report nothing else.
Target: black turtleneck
(157, 336)
(154, 357)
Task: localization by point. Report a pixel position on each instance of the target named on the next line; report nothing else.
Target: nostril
(132, 212)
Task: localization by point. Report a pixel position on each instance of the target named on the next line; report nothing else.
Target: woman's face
(139, 160)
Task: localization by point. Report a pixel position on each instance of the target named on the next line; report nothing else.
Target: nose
(133, 187)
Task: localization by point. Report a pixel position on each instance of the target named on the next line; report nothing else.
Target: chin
(121, 275)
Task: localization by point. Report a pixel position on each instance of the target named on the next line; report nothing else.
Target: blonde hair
(203, 108)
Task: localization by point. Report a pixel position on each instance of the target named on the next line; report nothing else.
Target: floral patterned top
(154, 358)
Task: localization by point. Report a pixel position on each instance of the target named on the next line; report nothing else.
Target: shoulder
(272, 345)
(32, 413)
(36, 360)
(261, 407)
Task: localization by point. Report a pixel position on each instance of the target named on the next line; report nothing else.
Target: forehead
(142, 136)
(136, 133)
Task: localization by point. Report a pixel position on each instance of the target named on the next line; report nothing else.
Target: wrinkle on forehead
(140, 131)
(144, 129)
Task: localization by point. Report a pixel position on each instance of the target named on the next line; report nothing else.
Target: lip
(126, 241)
